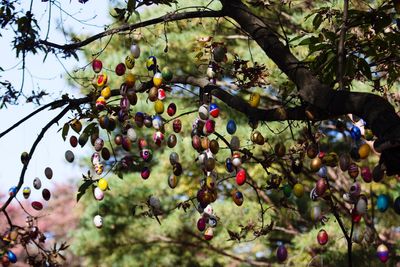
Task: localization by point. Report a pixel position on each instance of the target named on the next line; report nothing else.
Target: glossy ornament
(100, 103)
(12, 191)
(214, 146)
(382, 202)
(366, 174)
(177, 125)
(167, 74)
(145, 173)
(171, 141)
(146, 154)
(26, 192)
(98, 221)
(237, 197)
(130, 62)
(231, 126)
(172, 181)
(135, 50)
(353, 170)
(37, 205)
(97, 65)
(241, 177)
(131, 134)
(298, 190)
(173, 158)
(254, 100)
(315, 213)
(158, 106)
(69, 156)
(315, 164)
(382, 253)
(37, 184)
(236, 159)
(73, 141)
(46, 194)
(151, 63)
(130, 79)
(11, 256)
(157, 79)
(364, 151)
(208, 234)
(120, 69)
(48, 172)
(355, 133)
(355, 190)
(203, 112)
(171, 109)
(156, 122)
(322, 237)
(214, 110)
(281, 253)
(209, 127)
(229, 165)
(101, 80)
(102, 184)
(201, 224)
(321, 187)
(98, 194)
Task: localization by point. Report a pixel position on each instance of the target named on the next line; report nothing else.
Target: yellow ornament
(130, 62)
(364, 151)
(298, 190)
(106, 92)
(102, 80)
(102, 184)
(157, 79)
(254, 100)
(130, 79)
(159, 106)
(210, 182)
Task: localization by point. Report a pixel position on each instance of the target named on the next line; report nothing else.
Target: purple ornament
(281, 253)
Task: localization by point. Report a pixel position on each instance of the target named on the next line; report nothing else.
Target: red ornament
(171, 110)
(321, 186)
(120, 69)
(201, 224)
(241, 177)
(355, 216)
(97, 65)
(322, 237)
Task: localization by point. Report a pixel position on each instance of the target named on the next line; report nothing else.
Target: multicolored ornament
(130, 61)
(100, 103)
(237, 197)
(171, 109)
(37, 184)
(382, 253)
(97, 65)
(214, 110)
(172, 181)
(145, 173)
(201, 224)
(151, 63)
(26, 192)
(203, 112)
(209, 233)
(177, 125)
(157, 79)
(146, 154)
(101, 80)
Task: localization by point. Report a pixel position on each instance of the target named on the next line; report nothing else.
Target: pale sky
(48, 75)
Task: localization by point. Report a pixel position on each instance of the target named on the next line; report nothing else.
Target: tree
(345, 49)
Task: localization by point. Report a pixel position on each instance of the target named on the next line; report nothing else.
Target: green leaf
(65, 131)
(131, 5)
(90, 128)
(82, 189)
(317, 21)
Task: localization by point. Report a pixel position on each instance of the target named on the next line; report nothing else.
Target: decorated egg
(241, 177)
(171, 141)
(315, 164)
(157, 122)
(142, 143)
(203, 112)
(98, 194)
(363, 151)
(130, 62)
(214, 110)
(124, 103)
(344, 162)
(158, 106)
(151, 63)
(201, 224)
(212, 221)
(132, 97)
(209, 127)
(95, 158)
(396, 205)
(254, 100)
(73, 141)
(37, 184)
(126, 143)
(208, 210)
(377, 173)
(153, 94)
(173, 158)
(298, 190)
(177, 169)
(236, 159)
(12, 191)
(208, 234)
(11, 256)
(361, 205)
(231, 126)
(167, 74)
(281, 253)
(24, 157)
(177, 125)
(313, 194)
(171, 110)
(101, 80)
(69, 156)
(26, 192)
(209, 164)
(353, 170)
(102, 184)
(382, 202)
(98, 144)
(237, 197)
(145, 173)
(48, 172)
(158, 138)
(204, 142)
(358, 234)
(210, 182)
(139, 119)
(118, 139)
(172, 181)
(146, 154)
(131, 134)
(323, 172)
(355, 133)
(322, 237)
(130, 79)
(235, 143)
(287, 190)
(229, 165)
(37, 205)
(355, 190)
(99, 168)
(120, 69)
(366, 174)
(100, 103)
(135, 50)
(315, 213)
(157, 79)
(98, 221)
(382, 253)
(46, 194)
(257, 138)
(214, 146)
(97, 65)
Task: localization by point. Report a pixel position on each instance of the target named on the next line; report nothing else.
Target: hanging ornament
(98, 194)
(231, 126)
(355, 133)
(135, 50)
(322, 237)
(241, 177)
(120, 69)
(26, 192)
(151, 63)
(171, 110)
(214, 110)
(167, 74)
(254, 100)
(201, 224)
(382, 202)
(383, 253)
(97, 65)
(145, 173)
(281, 253)
(98, 221)
(298, 190)
(130, 61)
(203, 112)
(37, 184)
(209, 233)
(172, 181)
(237, 197)
(157, 79)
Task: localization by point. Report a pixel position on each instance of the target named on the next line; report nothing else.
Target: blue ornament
(214, 110)
(281, 253)
(231, 127)
(151, 63)
(382, 202)
(322, 172)
(11, 256)
(229, 165)
(12, 191)
(355, 133)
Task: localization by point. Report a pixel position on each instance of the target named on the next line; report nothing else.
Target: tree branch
(341, 53)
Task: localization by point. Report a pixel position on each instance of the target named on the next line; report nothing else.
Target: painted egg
(142, 143)
(173, 158)
(26, 192)
(355, 190)
(201, 224)
(48, 172)
(377, 174)
(312, 150)
(101, 80)
(361, 206)
(100, 103)
(145, 173)
(237, 197)
(321, 186)
(281, 253)
(12, 191)
(106, 92)
(214, 146)
(211, 71)
(158, 106)
(396, 205)
(177, 169)
(146, 154)
(73, 141)
(102, 184)
(382, 253)
(46, 194)
(209, 164)
(315, 213)
(196, 142)
(353, 170)
(214, 110)
(209, 127)
(167, 74)
(130, 62)
(171, 110)
(322, 237)
(95, 158)
(123, 89)
(257, 138)
(131, 134)
(315, 164)
(366, 174)
(130, 80)
(210, 182)
(235, 143)
(208, 210)
(231, 127)
(158, 138)
(37, 205)
(241, 177)
(24, 157)
(153, 94)
(120, 69)
(382, 202)
(172, 181)
(97, 65)
(358, 234)
(204, 142)
(98, 194)
(132, 97)
(298, 190)
(98, 144)
(123, 115)
(37, 184)
(229, 165)
(157, 122)
(98, 221)
(203, 112)
(157, 79)
(177, 125)
(212, 221)
(355, 133)
(126, 143)
(208, 234)
(135, 50)
(313, 194)
(124, 103)
(323, 172)
(139, 119)
(151, 63)
(254, 100)
(11, 256)
(171, 141)
(363, 151)
(287, 190)
(236, 159)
